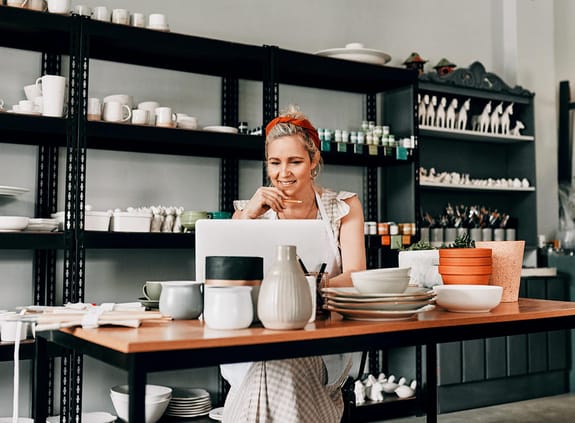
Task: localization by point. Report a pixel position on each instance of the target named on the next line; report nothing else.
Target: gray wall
(516, 39)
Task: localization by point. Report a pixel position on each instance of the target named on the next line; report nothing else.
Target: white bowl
(385, 272)
(153, 392)
(154, 409)
(468, 298)
(378, 285)
(13, 223)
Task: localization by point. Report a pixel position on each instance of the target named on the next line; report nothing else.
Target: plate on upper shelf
(217, 128)
(12, 191)
(357, 53)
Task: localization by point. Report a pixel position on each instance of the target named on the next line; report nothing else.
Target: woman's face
(289, 166)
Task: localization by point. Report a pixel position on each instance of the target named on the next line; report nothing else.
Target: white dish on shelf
(13, 223)
(91, 417)
(219, 128)
(12, 191)
(357, 53)
(217, 414)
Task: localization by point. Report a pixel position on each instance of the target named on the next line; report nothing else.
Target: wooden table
(170, 345)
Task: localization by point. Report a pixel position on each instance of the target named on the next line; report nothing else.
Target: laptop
(260, 237)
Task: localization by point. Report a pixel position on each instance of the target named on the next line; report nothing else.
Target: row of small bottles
(370, 140)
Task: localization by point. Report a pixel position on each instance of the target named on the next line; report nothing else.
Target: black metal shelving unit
(82, 39)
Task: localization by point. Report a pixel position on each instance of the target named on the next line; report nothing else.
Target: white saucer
(216, 128)
(217, 414)
(364, 55)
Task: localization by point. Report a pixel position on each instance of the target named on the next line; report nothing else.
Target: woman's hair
(284, 129)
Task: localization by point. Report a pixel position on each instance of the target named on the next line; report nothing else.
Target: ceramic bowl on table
(468, 298)
(381, 281)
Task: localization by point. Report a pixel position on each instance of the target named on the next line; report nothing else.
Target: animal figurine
(430, 112)
(376, 394)
(505, 120)
(405, 391)
(390, 386)
(359, 392)
(440, 113)
(483, 119)
(422, 108)
(518, 127)
(462, 114)
(450, 114)
(494, 118)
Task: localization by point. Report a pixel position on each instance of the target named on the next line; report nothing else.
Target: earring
(314, 172)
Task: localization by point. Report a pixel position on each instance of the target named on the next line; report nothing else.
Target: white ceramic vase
(285, 301)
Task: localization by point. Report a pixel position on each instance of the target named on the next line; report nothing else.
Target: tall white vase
(285, 300)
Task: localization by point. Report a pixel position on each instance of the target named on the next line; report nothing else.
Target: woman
(303, 389)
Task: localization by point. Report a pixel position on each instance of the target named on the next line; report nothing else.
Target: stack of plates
(353, 305)
(46, 225)
(189, 402)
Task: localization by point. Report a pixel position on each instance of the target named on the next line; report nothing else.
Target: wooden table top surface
(167, 335)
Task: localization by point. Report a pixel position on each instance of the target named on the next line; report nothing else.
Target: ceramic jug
(284, 301)
(182, 300)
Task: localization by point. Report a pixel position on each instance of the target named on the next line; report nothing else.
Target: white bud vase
(285, 298)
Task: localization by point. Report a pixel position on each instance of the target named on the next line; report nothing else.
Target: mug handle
(129, 109)
(145, 292)
(38, 83)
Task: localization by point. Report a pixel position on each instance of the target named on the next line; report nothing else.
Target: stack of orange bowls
(468, 266)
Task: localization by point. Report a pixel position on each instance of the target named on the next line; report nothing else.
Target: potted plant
(462, 263)
(423, 259)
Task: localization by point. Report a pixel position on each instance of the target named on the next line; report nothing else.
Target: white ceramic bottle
(285, 301)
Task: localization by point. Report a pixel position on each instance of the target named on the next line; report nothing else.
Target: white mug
(101, 13)
(83, 10)
(94, 111)
(150, 107)
(59, 6)
(32, 91)
(165, 117)
(9, 330)
(140, 117)
(1, 104)
(157, 20)
(120, 16)
(114, 111)
(138, 20)
(228, 307)
(53, 94)
(39, 5)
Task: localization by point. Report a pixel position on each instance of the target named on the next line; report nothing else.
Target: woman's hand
(264, 198)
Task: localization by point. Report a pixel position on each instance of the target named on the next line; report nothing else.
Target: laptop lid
(260, 237)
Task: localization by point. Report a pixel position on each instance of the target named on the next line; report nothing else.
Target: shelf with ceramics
(454, 180)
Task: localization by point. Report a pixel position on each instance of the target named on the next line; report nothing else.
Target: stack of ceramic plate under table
(353, 305)
(189, 402)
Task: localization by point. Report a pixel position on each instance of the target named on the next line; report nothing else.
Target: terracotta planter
(464, 252)
(507, 263)
(466, 279)
(466, 261)
(465, 270)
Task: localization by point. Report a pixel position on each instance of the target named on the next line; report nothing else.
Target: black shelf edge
(32, 240)
(459, 91)
(35, 31)
(32, 130)
(478, 137)
(149, 139)
(309, 70)
(26, 350)
(137, 240)
(168, 50)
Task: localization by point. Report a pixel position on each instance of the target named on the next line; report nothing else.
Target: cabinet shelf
(167, 50)
(32, 130)
(390, 407)
(26, 350)
(34, 31)
(440, 186)
(152, 240)
(467, 135)
(31, 240)
(308, 70)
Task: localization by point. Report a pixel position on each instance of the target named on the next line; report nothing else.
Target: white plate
(364, 55)
(189, 393)
(382, 306)
(13, 223)
(377, 315)
(12, 191)
(354, 293)
(226, 129)
(217, 414)
(94, 417)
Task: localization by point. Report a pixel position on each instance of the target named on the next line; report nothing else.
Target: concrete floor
(555, 409)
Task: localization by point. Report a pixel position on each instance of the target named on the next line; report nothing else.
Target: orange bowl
(464, 252)
(465, 270)
(466, 279)
(465, 261)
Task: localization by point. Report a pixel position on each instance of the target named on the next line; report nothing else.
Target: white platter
(378, 315)
(349, 293)
(381, 305)
(92, 417)
(364, 55)
(12, 191)
(217, 128)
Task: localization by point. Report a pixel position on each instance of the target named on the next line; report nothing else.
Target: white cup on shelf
(59, 6)
(53, 94)
(120, 16)
(165, 117)
(32, 91)
(139, 117)
(94, 111)
(114, 111)
(101, 13)
(138, 20)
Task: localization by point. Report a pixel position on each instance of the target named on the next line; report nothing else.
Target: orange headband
(302, 123)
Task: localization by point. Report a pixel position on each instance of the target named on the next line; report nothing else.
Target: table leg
(137, 390)
(41, 384)
(431, 381)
